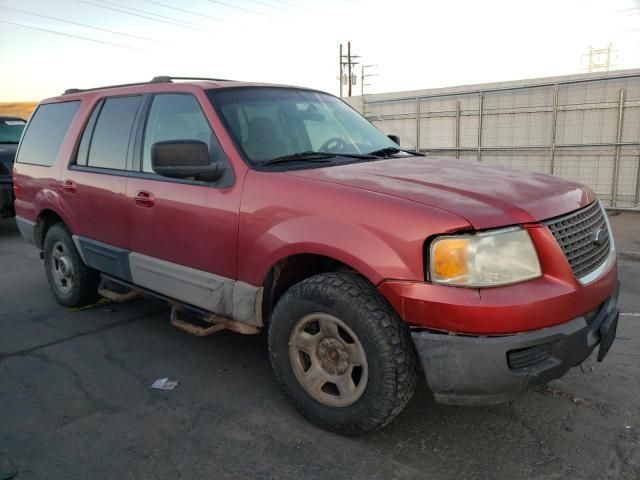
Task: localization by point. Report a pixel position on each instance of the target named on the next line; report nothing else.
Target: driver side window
(173, 117)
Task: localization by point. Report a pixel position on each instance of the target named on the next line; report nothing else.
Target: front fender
(378, 235)
(351, 244)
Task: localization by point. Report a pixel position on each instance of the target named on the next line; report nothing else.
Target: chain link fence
(585, 129)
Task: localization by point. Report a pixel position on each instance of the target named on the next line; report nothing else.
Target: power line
(271, 6)
(72, 36)
(294, 5)
(147, 12)
(187, 11)
(70, 22)
(138, 15)
(241, 8)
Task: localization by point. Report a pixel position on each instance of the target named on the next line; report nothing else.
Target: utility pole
(347, 60)
(349, 64)
(341, 78)
(363, 78)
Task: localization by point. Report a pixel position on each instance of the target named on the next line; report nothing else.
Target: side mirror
(184, 159)
(395, 138)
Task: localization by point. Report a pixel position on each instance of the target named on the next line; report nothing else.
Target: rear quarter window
(45, 132)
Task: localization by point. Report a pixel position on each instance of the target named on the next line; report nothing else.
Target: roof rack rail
(159, 79)
(167, 78)
(70, 91)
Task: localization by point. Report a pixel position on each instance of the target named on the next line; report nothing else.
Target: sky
(415, 44)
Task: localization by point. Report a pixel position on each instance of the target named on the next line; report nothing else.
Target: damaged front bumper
(475, 370)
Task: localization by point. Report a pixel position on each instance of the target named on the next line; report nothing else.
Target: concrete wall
(581, 127)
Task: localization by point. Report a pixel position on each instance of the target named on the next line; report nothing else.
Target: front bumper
(6, 200)
(474, 370)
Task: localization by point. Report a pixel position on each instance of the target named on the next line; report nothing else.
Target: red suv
(252, 206)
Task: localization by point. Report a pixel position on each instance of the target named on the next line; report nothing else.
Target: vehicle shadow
(8, 228)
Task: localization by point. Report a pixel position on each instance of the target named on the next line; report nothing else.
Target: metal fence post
(417, 124)
(457, 129)
(636, 202)
(480, 108)
(616, 160)
(554, 127)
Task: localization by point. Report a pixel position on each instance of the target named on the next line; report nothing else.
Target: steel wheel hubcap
(328, 359)
(61, 268)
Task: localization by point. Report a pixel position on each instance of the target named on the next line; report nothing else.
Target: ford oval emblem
(599, 236)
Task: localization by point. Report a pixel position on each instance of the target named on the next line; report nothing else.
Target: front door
(183, 232)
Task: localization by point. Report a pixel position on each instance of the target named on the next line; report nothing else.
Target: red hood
(486, 195)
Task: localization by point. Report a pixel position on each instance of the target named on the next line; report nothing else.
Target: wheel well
(46, 220)
(291, 270)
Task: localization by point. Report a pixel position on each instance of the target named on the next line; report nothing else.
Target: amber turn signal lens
(450, 258)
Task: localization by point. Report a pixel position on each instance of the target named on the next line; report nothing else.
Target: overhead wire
(141, 16)
(147, 12)
(294, 5)
(241, 8)
(192, 12)
(271, 6)
(85, 25)
(72, 35)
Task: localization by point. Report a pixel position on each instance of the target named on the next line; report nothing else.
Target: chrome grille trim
(573, 232)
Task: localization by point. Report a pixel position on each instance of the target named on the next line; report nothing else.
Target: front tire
(341, 353)
(71, 281)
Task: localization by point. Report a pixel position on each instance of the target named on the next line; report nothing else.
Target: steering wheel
(334, 145)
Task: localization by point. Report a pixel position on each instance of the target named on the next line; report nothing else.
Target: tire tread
(401, 363)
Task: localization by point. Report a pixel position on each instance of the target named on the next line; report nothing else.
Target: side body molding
(223, 296)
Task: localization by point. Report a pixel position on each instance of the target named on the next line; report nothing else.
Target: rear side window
(45, 133)
(85, 142)
(109, 135)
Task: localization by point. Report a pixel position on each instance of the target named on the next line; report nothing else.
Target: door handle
(69, 186)
(144, 199)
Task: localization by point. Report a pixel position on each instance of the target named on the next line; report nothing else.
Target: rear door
(183, 232)
(94, 187)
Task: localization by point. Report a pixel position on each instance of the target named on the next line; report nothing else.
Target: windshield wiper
(313, 156)
(309, 156)
(388, 151)
(10, 142)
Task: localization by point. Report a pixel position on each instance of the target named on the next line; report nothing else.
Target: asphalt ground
(76, 402)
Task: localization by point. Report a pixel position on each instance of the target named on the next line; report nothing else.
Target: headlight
(487, 259)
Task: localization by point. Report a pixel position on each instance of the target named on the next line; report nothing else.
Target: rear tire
(341, 353)
(71, 281)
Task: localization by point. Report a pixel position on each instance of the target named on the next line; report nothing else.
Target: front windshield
(11, 129)
(270, 123)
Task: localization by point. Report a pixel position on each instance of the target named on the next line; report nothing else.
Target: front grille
(575, 235)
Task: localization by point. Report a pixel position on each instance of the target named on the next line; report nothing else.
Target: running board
(185, 317)
(105, 291)
(204, 325)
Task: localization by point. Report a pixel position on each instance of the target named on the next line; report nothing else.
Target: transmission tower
(599, 59)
